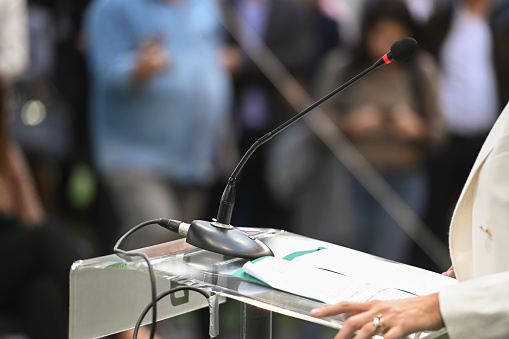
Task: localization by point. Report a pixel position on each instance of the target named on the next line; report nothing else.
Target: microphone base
(228, 241)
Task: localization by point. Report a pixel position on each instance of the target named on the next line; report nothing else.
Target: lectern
(107, 294)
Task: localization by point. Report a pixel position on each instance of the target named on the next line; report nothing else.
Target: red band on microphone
(386, 59)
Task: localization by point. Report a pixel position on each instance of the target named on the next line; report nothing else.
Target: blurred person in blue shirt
(159, 100)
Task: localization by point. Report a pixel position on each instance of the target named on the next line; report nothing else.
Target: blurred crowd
(115, 112)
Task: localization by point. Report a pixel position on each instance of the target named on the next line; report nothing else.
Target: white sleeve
(477, 308)
(14, 43)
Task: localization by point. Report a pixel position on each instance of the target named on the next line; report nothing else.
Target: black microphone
(221, 237)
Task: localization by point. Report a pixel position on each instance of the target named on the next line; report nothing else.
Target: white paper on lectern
(368, 268)
(311, 282)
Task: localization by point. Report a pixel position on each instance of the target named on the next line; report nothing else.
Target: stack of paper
(334, 275)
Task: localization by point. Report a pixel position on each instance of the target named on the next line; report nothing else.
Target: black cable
(127, 255)
(162, 295)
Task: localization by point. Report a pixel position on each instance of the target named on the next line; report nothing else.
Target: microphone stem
(228, 198)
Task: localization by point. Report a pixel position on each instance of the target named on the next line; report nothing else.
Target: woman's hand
(407, 123)
(151, 59)
(398, 318)
(364, 121)
(450, 273)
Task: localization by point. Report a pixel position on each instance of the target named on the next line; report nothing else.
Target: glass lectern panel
(108, 293)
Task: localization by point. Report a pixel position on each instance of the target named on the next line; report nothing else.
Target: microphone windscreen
(403, 48)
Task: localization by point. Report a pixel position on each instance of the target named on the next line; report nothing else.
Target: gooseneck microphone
(219, 236)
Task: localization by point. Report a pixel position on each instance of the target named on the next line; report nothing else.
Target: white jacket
(478, 307)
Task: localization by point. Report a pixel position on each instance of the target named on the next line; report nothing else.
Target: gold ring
(379, 323)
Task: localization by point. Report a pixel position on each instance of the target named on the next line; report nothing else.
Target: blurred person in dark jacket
(286, 29)
(34, 289)
(469, 45)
